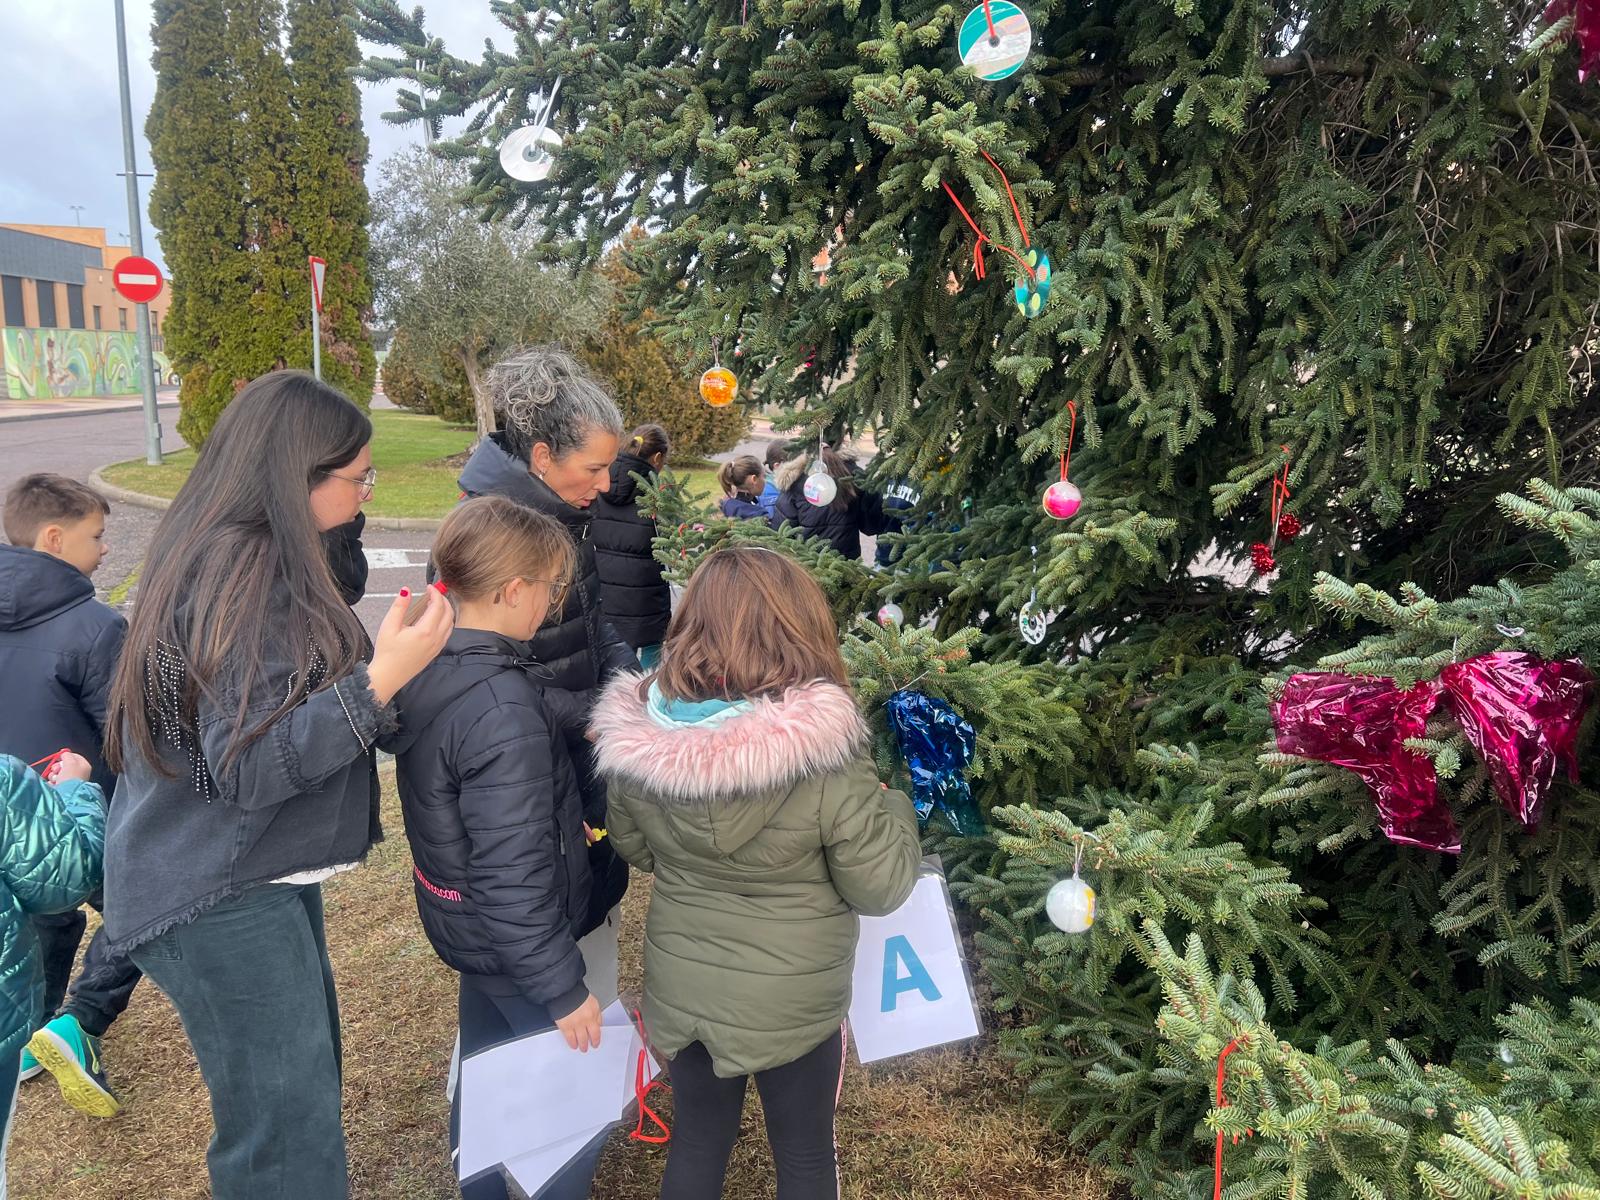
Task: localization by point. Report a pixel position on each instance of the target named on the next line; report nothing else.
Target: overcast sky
(60, 123)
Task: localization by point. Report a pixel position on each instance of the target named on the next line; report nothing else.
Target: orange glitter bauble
(718, 387)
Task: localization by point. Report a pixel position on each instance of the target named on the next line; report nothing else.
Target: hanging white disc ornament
(1032, 624)
(891, 614)
(994, 40)
(528, 153)
(1070, 905)
(1062, 499)
(821, 488)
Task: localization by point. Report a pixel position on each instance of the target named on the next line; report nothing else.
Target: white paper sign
(911, 989)
(522, 1100)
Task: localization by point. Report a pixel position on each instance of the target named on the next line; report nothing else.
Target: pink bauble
(1062, 499)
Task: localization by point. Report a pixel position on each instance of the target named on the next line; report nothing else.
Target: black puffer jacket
(494, 816)
(58, 652)
(578, 647)
(637, 601)
(841, 526)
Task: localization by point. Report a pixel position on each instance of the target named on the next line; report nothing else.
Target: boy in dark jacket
(58, 652)
(493, 808)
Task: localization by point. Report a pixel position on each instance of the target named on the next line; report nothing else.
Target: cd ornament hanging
(1032, 624)
(994, 40)
(1062, 499)
(528, 153)
(1032, 292)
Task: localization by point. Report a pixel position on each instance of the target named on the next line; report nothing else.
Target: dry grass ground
(946, 1125)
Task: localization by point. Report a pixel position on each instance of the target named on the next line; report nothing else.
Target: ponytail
(648, 441)
(734, 475)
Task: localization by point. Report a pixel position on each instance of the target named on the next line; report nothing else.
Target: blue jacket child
(52, 843)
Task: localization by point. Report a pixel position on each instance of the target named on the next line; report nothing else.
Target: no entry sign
(137, 279)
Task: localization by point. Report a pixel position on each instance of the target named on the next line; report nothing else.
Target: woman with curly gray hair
(559, 433)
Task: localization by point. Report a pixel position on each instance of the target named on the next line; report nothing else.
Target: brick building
(64, 331)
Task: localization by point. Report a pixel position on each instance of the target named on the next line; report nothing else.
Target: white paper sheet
(535, 1094)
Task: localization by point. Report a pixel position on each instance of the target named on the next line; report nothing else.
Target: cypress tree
(266, 330)
(331, 209)
(194, 204)
(1362, 233)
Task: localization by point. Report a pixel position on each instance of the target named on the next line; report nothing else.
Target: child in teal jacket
(52, 841)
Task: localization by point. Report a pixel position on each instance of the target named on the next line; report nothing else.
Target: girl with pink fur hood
(739, 776)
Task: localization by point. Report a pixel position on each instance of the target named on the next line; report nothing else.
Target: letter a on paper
(896, 950)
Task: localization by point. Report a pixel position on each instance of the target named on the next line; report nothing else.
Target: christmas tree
(1321, 302)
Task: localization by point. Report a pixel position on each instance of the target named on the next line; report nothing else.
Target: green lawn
(407, 450)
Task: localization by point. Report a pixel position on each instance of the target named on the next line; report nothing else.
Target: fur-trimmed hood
(792, 472)
(808, 731)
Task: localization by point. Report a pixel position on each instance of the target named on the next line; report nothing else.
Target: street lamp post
(152, 418)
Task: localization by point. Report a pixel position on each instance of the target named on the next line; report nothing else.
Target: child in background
(50, 859)
(493, 810)
(777, 454)
(58, 652)
(633, 595)
(741, 482)
(740, 774)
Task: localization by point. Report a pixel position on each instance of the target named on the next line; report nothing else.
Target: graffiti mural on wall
(52, 364)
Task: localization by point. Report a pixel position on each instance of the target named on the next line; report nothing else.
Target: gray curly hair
(541, 394)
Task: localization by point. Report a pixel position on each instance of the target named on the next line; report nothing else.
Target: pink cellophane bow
(1520, 712)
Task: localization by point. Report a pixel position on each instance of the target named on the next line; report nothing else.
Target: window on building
(122, 318)
(11, 289)
(75, 305)
(97, 316)
(46, 291)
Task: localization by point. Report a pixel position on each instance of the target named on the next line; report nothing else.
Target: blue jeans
(251, 981)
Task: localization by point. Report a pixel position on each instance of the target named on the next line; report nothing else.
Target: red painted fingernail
(405, 593)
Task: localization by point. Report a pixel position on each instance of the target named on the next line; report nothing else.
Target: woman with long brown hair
(241, 722)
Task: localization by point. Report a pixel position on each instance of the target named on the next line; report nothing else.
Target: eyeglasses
(366, 482)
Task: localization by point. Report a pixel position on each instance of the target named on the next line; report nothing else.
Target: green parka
(768, 833)
(52, 840)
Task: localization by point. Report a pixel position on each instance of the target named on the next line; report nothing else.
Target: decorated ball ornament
(1261, 559)
(1062, 499)
(891, 614)
(719, 386)
(1289, 527)
(1033, 291)
(821, 489)
(1070, 905)
(994, 40)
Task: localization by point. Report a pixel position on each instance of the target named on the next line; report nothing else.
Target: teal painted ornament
(995, 39)
(1034, 293)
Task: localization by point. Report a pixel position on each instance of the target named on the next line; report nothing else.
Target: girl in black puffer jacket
(841, 523)
(493, 810)
(633, 596)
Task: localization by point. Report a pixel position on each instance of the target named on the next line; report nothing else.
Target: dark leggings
(798, 1098)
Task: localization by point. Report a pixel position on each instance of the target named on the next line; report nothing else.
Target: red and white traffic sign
(137, 279)
(319, 269)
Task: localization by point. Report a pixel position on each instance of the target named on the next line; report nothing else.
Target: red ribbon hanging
(642, 1087)
(1222, 1102)
(994, 34)
(46, 766)
(977, 250)
(1280, 495)
(1072, 428)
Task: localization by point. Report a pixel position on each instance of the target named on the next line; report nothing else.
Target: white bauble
(1070, 905)
(892, 614)
(821, 489)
